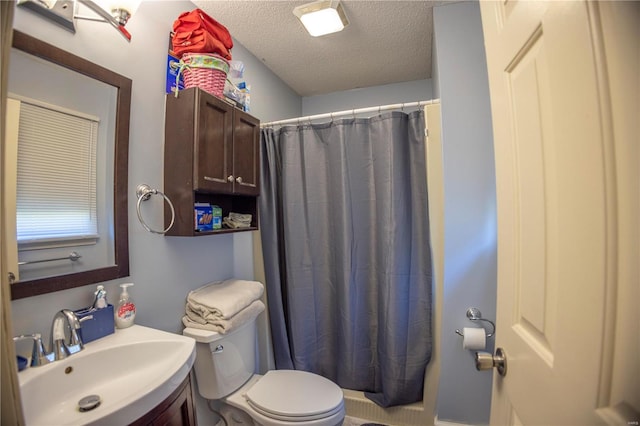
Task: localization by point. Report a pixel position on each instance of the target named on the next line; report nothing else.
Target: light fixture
(322, 17)
(63, 12)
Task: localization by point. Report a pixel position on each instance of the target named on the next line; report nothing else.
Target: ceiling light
(63, 12)
(322, 17)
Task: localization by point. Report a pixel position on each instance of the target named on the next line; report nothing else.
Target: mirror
(113, 94)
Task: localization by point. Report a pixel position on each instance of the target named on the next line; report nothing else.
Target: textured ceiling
(387, 41)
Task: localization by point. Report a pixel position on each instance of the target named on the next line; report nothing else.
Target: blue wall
(396, 93)
(464, 394)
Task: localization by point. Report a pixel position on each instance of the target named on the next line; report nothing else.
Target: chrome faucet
(60, 346)
(39, 355)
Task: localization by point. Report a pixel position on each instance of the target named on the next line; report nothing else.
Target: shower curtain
(345, 234)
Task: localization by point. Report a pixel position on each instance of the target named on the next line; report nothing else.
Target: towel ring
(144, 192)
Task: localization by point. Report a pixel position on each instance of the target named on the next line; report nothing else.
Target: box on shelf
(217, 217)
(99, 325)
(203, 217)
(173, 69)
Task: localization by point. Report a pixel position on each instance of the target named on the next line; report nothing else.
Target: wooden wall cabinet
(211, 155)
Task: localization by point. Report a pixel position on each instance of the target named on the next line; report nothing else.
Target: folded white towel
(222, 300)
(224, 326)
(230, 223)
(240, 218)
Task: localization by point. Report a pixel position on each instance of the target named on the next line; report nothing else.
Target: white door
(564, 90)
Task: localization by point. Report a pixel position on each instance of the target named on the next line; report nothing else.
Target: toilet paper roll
(474, 338)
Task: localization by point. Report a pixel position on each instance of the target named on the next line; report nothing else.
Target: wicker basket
(206, 71)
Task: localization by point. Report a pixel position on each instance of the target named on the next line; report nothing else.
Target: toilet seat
(295, 396)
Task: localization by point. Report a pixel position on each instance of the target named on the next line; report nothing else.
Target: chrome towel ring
(144, 192)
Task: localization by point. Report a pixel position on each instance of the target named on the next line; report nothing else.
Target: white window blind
(56, 179)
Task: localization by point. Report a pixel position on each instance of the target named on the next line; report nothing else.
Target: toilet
(225, 371)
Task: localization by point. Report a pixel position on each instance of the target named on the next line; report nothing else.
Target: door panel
(558, 217)
(246, 154)
(213, 147)
(526, 84)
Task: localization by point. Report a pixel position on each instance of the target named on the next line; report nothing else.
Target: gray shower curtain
(345, 235)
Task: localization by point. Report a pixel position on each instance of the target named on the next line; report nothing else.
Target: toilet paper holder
(474, 314)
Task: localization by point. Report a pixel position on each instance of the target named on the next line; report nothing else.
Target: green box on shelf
(217, 217)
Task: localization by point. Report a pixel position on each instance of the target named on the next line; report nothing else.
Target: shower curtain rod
(333, 115)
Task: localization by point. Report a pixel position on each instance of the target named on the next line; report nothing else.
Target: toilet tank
(224, 362)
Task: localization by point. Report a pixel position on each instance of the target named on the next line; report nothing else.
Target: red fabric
(197, 32)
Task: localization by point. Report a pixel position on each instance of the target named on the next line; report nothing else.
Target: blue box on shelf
(203, 217)
(175, 80)
(101, 324)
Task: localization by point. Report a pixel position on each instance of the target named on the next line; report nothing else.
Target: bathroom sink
(131, 371)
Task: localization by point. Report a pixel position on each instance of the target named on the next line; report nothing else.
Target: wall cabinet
(177, 410)
(211, 155)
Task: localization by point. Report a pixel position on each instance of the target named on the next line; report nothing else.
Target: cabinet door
(246, 154)
(177, 410)
(181, 412)
(213, 151)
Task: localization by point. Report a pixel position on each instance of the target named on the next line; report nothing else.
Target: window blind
(56, 179)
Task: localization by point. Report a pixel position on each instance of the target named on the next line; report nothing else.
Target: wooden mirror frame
(123, 85)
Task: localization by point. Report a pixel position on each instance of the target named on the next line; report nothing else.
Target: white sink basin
(132, 371)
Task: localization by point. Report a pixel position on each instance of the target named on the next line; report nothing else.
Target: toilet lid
(295, 395)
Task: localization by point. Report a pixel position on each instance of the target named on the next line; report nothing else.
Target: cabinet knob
(230, 178)
(239, 179)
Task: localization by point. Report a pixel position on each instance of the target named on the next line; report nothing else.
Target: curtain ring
(144, 192)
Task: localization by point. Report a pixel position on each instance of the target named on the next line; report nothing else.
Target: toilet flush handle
(218, 349)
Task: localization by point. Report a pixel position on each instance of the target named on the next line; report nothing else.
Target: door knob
(486, 361)
(230, 178)
(239, 179)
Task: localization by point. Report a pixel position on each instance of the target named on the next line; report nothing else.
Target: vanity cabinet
(211, 155)
(177, 410)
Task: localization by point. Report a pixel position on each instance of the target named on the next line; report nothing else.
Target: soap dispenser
(126, 311)
(100, 300)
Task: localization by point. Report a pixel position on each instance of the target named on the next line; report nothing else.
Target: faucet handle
(39, 355)
(75, 324)
(76, 339)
